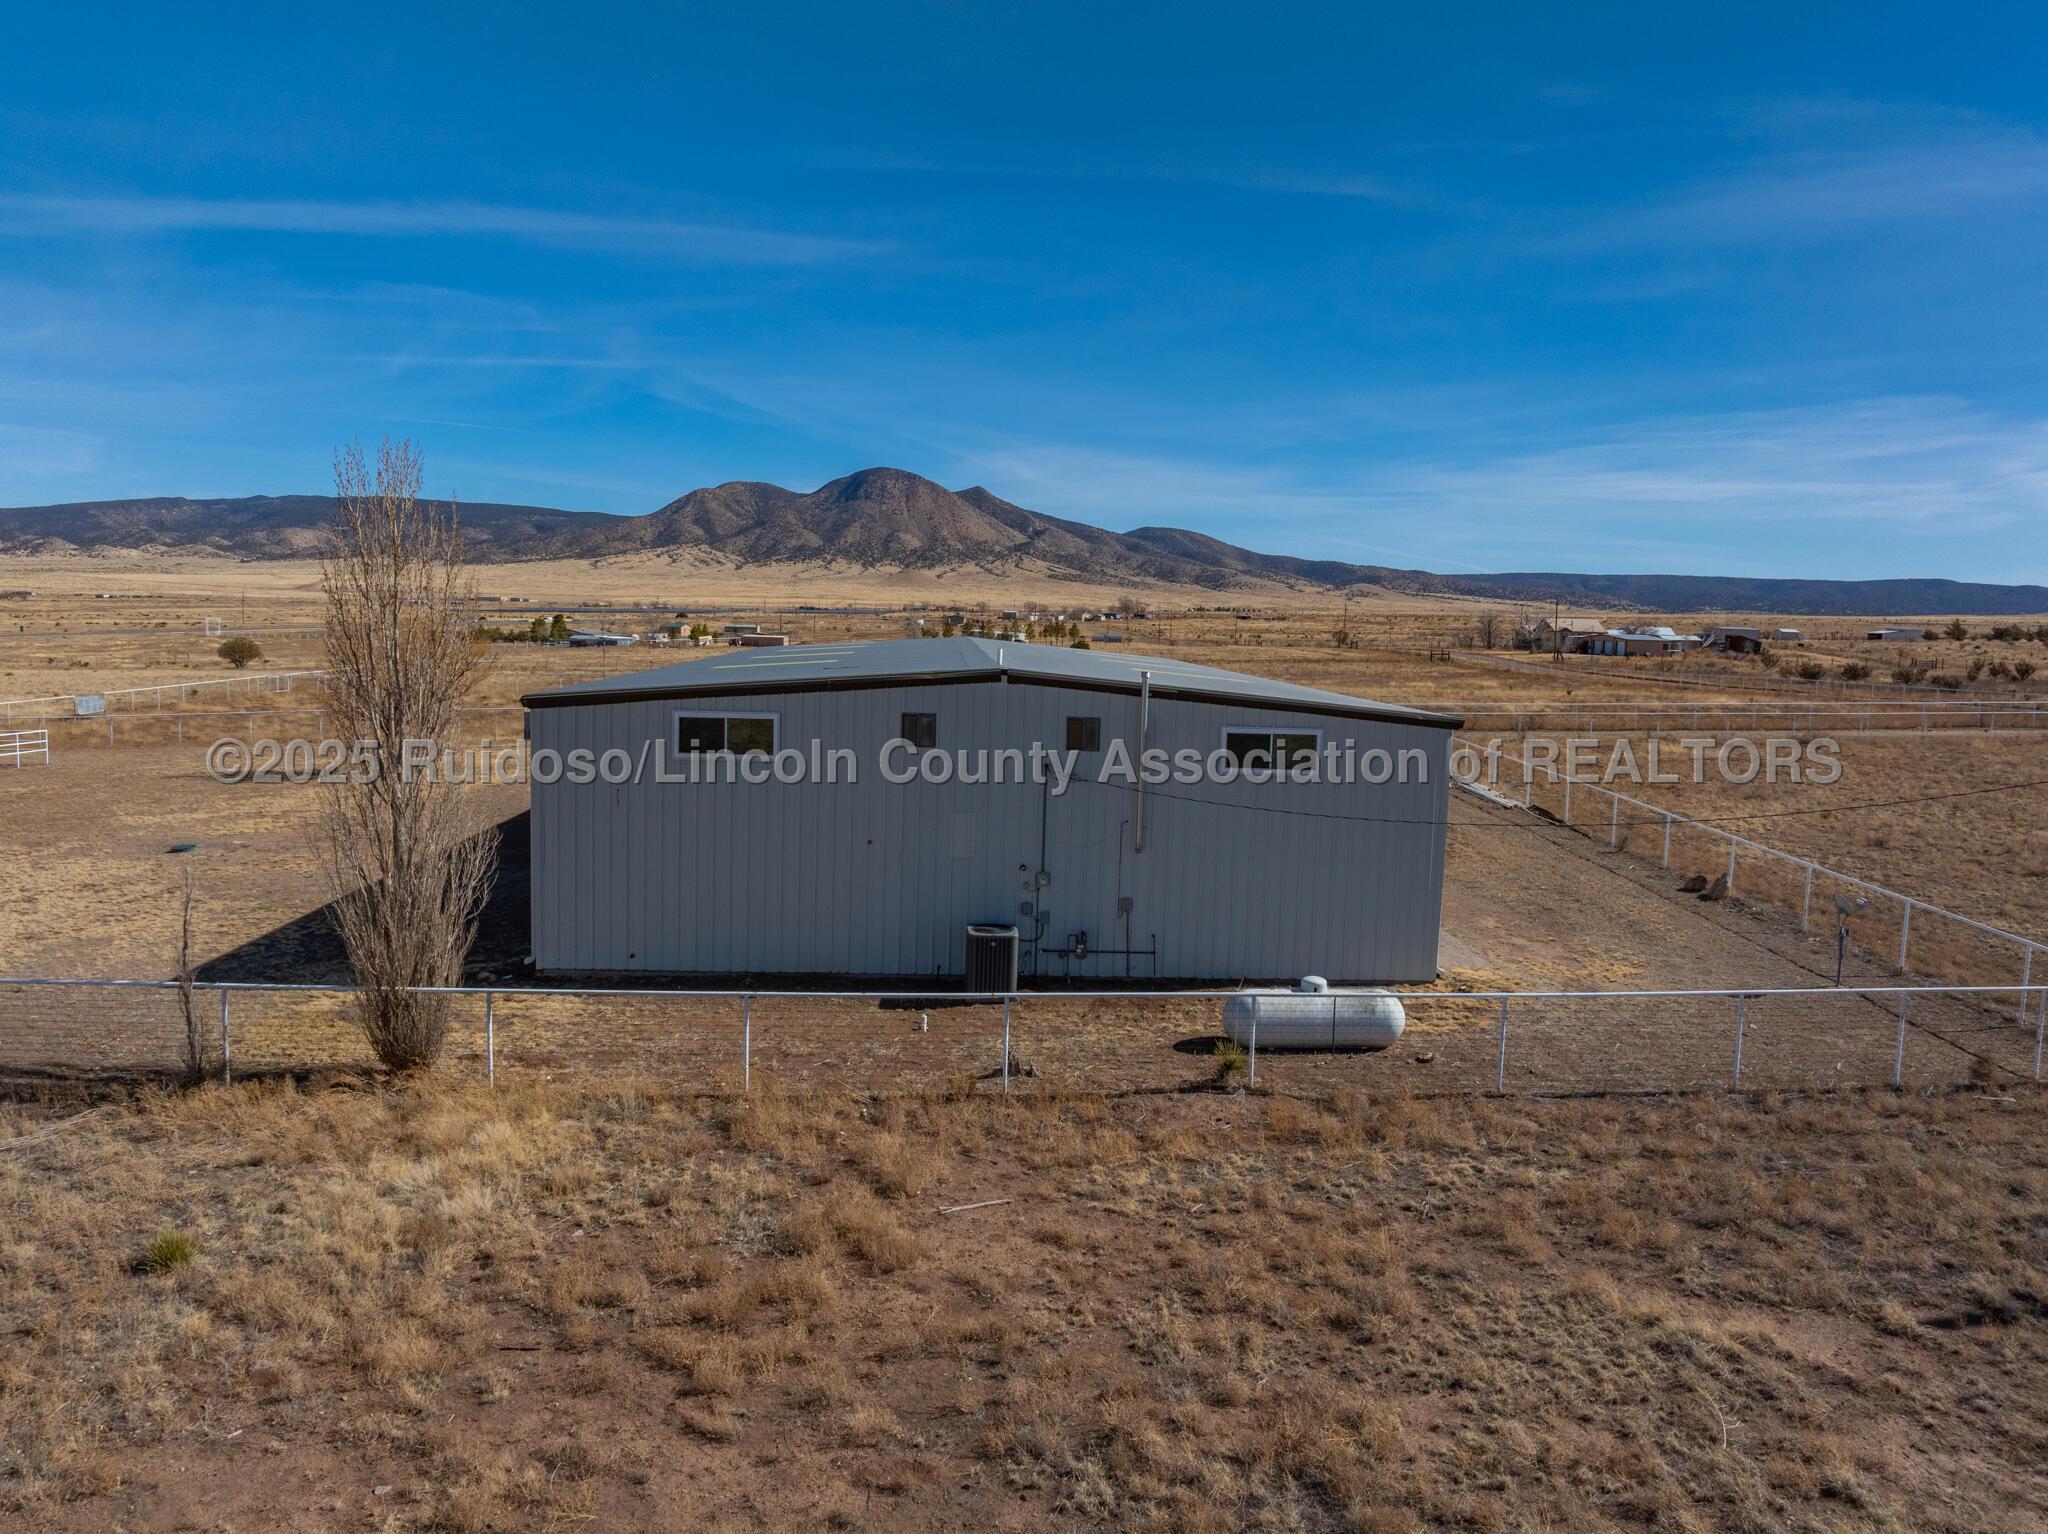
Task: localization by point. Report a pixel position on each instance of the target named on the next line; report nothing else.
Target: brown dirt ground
(436, 1307)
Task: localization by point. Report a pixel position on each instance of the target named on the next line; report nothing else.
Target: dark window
(695, 733)
(698, 734)
(1295, 750)
(750, 737)
(1084, 732)
(921, 730)
(1249, 748)
(1261, 750)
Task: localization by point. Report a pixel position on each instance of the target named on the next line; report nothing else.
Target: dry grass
(431, 1307)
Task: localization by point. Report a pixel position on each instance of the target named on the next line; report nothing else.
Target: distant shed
(1735, 638)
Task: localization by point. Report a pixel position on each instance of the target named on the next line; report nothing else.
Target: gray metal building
(828, 868)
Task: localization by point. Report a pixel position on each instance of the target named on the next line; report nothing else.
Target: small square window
(921, 730)
(696, 733)
(1249, 749)
(1084, 732)
(750, 737)
(1295, 752)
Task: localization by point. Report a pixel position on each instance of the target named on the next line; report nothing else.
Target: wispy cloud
(1906, 464)
(1247, 175)
(30, 452)
(44, 215)
(1811, 194)
(1871, 484)
(1263, 508)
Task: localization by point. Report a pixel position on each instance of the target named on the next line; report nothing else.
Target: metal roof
(927, 662)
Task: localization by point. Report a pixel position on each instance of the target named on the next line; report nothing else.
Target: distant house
(1899, 635)
(1566, 635)
(1658, 640)
(1789, 636)
(584, 637)
(755, 639)
(1735, 640)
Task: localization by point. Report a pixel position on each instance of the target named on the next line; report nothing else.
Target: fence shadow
(307, 950)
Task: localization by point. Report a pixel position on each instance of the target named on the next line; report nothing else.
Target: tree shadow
(307, 949)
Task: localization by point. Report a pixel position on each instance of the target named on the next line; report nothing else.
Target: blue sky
(1756, 290)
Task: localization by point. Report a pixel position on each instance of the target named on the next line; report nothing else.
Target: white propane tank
(1313, 1016)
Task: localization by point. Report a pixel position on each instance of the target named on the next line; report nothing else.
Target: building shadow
(307, 949)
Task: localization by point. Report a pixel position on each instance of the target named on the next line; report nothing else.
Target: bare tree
(1488, 631)
(409, 861)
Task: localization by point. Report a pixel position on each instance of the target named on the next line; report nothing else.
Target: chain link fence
(1880, 931)
(1053, 1040)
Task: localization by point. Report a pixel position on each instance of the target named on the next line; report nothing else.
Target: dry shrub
(901, 1165)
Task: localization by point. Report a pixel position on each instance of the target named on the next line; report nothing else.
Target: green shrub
(239, 651)
(171, 1249)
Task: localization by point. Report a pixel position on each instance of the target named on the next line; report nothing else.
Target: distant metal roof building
(937, 662)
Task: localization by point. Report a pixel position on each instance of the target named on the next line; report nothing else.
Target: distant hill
(280, 527)
(892, 519)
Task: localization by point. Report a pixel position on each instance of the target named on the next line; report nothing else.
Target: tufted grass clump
(171, 1250)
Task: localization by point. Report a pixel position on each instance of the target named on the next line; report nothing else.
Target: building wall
(872, 878)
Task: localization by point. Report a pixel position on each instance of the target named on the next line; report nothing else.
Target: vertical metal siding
(864, 878)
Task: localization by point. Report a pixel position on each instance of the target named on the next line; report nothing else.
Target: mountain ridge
(886, 518)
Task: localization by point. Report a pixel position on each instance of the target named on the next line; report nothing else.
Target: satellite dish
(1850, 905)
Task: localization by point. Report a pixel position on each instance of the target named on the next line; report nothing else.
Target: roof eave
(1332, 707)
